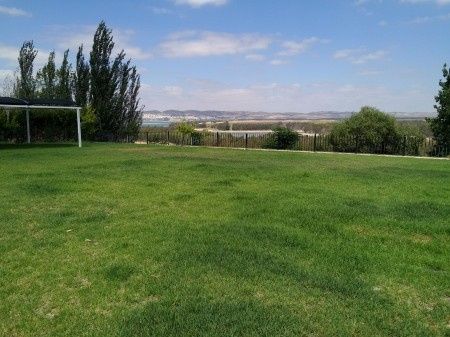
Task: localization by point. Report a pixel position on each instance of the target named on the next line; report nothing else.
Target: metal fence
(406, 146)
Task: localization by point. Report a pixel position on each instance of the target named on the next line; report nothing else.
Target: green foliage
(369, 130)
(186, 128)
(197, 138)
(26, 83)
(81, 79)
(106, 87)
(114, 89)
(441, 124)
(88, 121)
(282, 138)
(63, 88)
(46, 79)
(9, 124)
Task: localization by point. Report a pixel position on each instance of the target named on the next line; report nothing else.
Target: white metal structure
(28, 107)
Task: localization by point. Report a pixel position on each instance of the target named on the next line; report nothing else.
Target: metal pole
(28, 126)
(79, 127)
(315, 142)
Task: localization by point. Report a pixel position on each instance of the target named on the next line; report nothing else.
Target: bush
(185, 128)
(282, 139)
(9, 125)
(88, 122)
(369, 130)
(197, 138)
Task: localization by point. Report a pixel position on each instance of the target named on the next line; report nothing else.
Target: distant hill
(212, 115)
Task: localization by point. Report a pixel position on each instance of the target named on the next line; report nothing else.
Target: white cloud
(11, 53)
(368, 72)
(291, 48)
(277, 62)
(428, 19)
(204, 43)
(360, 55)
(201, 3)
(173, 90)
(438, 2)
(160, 10)
(72, 37)
(255, 57)
(12, 11)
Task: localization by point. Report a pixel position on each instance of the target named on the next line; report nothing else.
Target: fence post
(217, 138)
(315, 142)
(168, 136)
(357, 144)
(246, 140)
(147, 137)
(404, 145)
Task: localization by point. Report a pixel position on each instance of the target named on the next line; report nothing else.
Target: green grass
(128, 240)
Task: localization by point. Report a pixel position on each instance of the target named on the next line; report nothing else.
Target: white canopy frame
(28, 107)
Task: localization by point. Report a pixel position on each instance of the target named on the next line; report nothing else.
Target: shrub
(369, 130)
(9, 124)
(185, 128)
(88, 122)
(282, 138)
(197, 138)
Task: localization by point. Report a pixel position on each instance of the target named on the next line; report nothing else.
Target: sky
(253, 55)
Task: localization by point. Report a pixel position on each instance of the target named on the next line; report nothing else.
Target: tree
(114, 89)
(81, 79)
(46, 78)
(26, 84)
(282, 138)
(440, 125)
(63, 89)
(369, 130)
(103, 81)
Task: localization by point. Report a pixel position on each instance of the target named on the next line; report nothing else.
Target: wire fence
(406, 146)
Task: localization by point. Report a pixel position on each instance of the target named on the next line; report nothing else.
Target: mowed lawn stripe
(128, 240)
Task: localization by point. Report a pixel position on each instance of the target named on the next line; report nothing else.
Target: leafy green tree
(63, 89)
(114, 89)
(369, 130)
(88, 120)
(103, 80)
(440, 125)
(46, 78)
(26, 83)
(133, 107)
(81, 79)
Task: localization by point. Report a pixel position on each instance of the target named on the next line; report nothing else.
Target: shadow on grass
(270, 259)
(4, 146)
(203, 316)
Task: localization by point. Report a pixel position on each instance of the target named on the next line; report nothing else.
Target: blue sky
(257, 55)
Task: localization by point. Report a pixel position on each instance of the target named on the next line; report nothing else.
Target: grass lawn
(129, 240)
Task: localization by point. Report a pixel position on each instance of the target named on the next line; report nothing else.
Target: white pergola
(14, 103)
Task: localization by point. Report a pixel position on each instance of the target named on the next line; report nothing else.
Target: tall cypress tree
(81, 79)
(63, 89)
(26, 83)
(46, 78)
(102, 84)
(111, 81)
(441, 124)
(134, 109)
